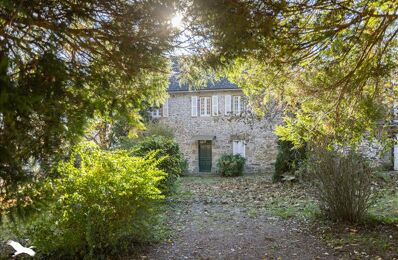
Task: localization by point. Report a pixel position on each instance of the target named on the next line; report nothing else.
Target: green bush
(230, 165)
(157, 129)
(152, 129)
(173, 162)
(288, 159)
(101, 201)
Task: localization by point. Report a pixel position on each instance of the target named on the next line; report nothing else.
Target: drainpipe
(395, 153)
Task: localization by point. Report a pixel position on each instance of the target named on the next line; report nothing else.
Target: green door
(205, 156)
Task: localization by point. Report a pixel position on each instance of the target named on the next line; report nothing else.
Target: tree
(64, 62)
(329, 62)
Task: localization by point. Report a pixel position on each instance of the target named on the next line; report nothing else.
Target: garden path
(228, 218)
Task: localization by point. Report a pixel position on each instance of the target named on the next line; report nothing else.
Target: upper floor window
(162, 111)
(205, 106)
(156, 112)
(238, 105)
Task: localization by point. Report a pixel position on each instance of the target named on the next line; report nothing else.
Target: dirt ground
(227, 218)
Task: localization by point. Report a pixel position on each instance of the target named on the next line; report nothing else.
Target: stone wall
(379, 155)
(261, 142)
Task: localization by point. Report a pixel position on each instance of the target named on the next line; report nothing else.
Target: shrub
(343, 183)
(158, 129)
(231, 165)
(173, 162)
(288, 160)
(101, 201)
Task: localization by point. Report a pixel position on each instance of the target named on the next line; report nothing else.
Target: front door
(204, 155)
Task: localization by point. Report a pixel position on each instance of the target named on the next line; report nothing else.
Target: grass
(386, 207)
(370, 239)
(290, 207)
(376, 237)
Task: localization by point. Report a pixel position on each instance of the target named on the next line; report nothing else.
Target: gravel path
(218, 218)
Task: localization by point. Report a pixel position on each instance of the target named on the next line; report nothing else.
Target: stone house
(215, 120)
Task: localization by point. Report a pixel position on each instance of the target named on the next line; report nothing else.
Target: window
(239, 147)
(155, 112)
(236, 105)
(205, 106)
(163, 110)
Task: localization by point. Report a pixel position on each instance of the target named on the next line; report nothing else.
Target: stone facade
(378, 153)
(257, 134)
(223, 129)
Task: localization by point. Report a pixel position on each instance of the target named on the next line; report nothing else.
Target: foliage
(157, 129)
(330, 65)
(101, 201)
(288, 159)
(229, 165)
(63, 63)
(172, 163)
(343, 183)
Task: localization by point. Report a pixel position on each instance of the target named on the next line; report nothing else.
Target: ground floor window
(239, 147)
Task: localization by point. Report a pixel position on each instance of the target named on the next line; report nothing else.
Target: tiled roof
(175, 86)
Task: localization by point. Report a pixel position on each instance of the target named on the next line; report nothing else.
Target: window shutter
(395, 154)
(235, 149)
(215, 105)
(242, 148)
(239, 147)
(194, 106)
(239, 105)
(166, 108)
(227, 104)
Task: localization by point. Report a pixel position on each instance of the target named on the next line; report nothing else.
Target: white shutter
(215, 105)
(227, 104)
(194, 106)
(166, 108)
(239, 106)
(239, 147)
(235, 148)
(242, 148)
(395, 154)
